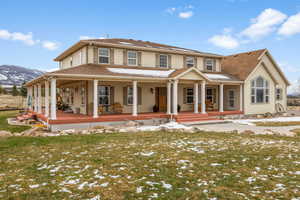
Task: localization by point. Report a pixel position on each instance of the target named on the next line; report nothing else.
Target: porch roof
(94, 71)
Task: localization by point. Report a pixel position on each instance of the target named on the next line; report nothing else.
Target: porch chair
(117, 108)
(209, 105)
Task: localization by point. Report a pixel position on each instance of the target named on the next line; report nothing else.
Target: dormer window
(103, 56)
(209, 64)
(132, 58)
(163, 60)
(190, 61)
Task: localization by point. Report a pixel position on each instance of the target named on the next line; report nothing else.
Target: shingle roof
(242, 64)
(135, 44)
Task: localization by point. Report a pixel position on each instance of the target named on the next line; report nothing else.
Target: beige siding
(269, 107)
(90, 54)
(148, 59)
(200, 63)
(218, 65)
(118, 57)
(78, 58)
(177, 61)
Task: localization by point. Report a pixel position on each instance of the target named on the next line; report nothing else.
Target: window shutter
(184, 95)
(214, 68)
(184, 62)
(139, 58)
(112, 95)
(124, 57)
(96, 55)
(204, 66)
(157, 60)
(125, 96)
(169, 61)
(111, 55)
(195, 62)
(139, 96)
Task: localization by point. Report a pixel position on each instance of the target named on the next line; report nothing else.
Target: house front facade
(106, 80)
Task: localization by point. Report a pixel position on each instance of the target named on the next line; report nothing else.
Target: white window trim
(229, 98)
(167, 60)
(264, 88)
(100, 95)
(136, 58)
(212, 66)
(103, 55)
(188, 95)
(129, 95)
(187, 63)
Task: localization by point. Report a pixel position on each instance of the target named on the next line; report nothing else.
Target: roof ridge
(246, 52)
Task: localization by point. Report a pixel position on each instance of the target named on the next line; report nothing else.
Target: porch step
(192, 117)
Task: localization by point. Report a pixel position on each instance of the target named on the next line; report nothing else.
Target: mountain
(15, 75)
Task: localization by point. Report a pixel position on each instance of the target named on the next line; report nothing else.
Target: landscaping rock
(5, 134)
(132, 123)
(68, 132)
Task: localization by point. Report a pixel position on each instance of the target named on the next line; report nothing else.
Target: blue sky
(32, 33)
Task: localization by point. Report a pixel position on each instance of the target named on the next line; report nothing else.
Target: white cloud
(264, 24)
(294, 88)
(291, 26)
(51, 70)
(26, 38)
(224, 41)
(286, 67)
(17, 36)
(171, 10)
(50, 45)
(186, 15)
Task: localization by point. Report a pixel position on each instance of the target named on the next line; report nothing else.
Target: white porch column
(241, 97)
(175, 96)
(203, 97)
(29, 98)
(35, 109)
(221, 104)
(95, 109)
(169, 98)
(53, 99)
(196, 97)
(46, 98)
(39, 98)
(135, 102)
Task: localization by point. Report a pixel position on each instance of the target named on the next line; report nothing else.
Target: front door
(161, 99)
(210, 99)
(231, 99)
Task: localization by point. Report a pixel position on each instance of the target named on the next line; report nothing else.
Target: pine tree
(23, 90)
(1, 89)
(15, 91)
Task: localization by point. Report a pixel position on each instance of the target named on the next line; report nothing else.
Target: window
(278, 94)
(209, 64)
(231, 98)
(103, 55)
(189, 95)
(71, 61)
(163, 61)
(129, 95)
(132, 57)
(190, 61)
(259, 90)
(104, 95)
(209, 95)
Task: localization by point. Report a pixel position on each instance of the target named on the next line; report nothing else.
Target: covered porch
(105, 99)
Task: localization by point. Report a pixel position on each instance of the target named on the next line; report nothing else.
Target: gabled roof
(134, 44)
(243, 64)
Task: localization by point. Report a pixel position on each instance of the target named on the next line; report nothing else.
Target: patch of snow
(34, 186)
(155, 73)
(217, 76)
(215, 164)
(96, 197)
(139, 189)
(278, 119)
(3, 77)
(104, 184)
(65, 190)
(169, 126)
(166, 185)
(146, 153)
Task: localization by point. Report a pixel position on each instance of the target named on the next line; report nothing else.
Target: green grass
(4, 126)
(166, 165)
(277, 123)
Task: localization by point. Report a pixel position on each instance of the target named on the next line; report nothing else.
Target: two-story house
(105, 80)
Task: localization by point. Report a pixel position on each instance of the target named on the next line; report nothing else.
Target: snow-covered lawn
(278, 119)
(150, 165)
